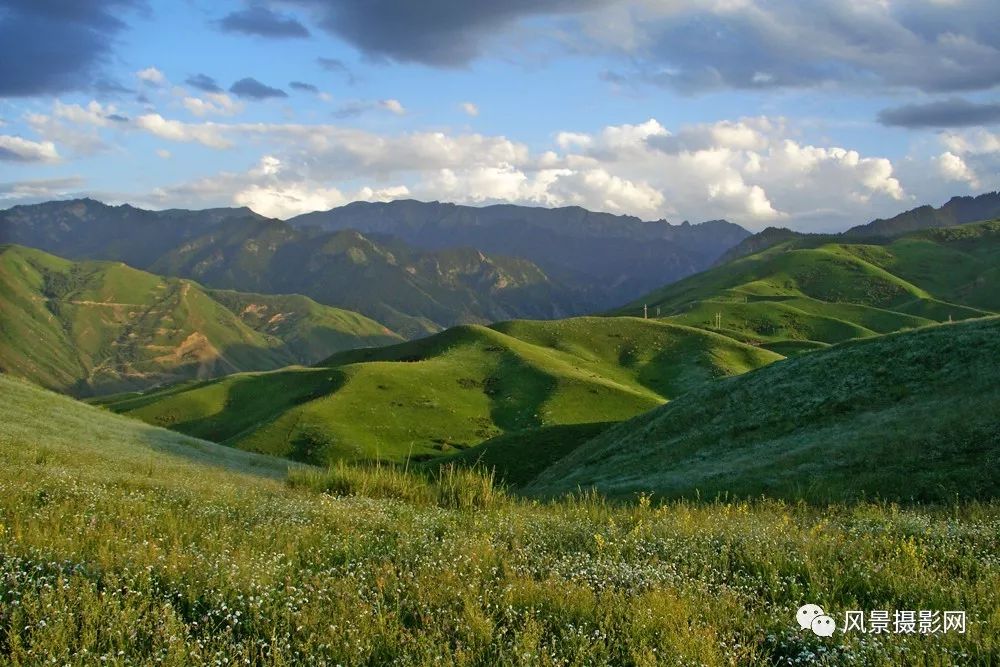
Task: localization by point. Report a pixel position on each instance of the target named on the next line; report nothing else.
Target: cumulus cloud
(469, 109)
(253, 89)
(952, 112)
(263, 22)
(752, 171)
(152, 76)
(217, 104)
(53, 47)
(19, 149)
(207, 134)
(953, 168)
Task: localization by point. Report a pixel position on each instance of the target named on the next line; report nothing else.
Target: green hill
(810, 292)
(58, 432)
(452, 390)
(125, 544)
(906, 416)
(97, 327)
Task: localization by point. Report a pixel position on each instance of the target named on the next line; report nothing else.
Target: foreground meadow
(123, 544)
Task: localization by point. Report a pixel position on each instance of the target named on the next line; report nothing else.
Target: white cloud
(207, 134)
(163, 154)
(469, 109)
(977, 141)
(19, 149)
(152, 76)
(753, 171)
(213, 104)
(953, 168)
(39, 190)
(393, 106)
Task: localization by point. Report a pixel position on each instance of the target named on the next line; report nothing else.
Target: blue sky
(815, 116)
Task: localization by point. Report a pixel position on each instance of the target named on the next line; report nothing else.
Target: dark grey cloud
(305, 87)
(698, 46)
(447, 33)
(204, 82)
(118, 118)
(250, 88)
(53, 46)
(261, 21)
(953, 112)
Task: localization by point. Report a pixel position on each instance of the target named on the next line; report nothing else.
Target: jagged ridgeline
(97, 327)
(452, 390)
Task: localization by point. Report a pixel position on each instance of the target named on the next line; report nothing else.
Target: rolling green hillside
(452, 390)
(810, 292)
(906, 416)
(124, 544)
(57, 432)
(98, 327)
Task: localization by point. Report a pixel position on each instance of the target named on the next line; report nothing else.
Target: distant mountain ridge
(612, 257)
(96, 327)
(412, 291)
(956, 211)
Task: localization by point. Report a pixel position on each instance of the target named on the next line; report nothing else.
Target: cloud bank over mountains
(255, 132)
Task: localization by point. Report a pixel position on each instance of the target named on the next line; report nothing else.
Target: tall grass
(449, 486)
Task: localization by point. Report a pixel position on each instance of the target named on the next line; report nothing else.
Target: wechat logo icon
(812, 617)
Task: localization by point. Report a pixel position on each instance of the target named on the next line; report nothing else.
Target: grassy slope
(125, 544)
(910, 415)
(93, 327)
(70, 437)
(517, 458)
(797, 296)
(452, 390)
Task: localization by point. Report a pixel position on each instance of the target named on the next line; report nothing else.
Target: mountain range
(956, 211)
(416, 267)
(611, 258)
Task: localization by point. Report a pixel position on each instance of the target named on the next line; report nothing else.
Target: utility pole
(645, 312)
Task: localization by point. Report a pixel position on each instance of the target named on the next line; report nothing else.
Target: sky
(811, 115)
